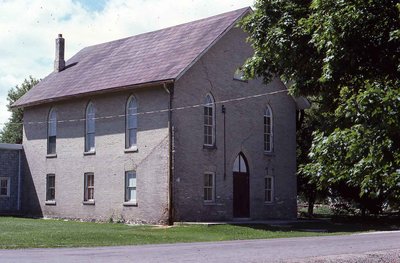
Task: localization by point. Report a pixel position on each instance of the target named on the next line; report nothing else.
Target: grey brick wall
(108, 164)
(213, 73)
(9, 167)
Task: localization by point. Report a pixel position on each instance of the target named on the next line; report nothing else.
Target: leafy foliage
(346, 55)
(12, 130)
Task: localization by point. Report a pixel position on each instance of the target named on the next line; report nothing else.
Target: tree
(12, 130)
(346, 53)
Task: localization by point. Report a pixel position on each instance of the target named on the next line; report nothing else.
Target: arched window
(90, 128)
(51, 131)
(268, 131)
(209, 121)
(131, 123)
(240, 165)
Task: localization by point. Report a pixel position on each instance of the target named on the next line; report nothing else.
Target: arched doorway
(241, 187)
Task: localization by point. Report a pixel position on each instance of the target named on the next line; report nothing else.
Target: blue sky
(93, 5)
(28, 29)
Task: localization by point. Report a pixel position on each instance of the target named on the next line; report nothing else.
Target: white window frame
(131, 128)
(212, 187)
(48, 187)
(90, 110)
(127, 188)
(7, 187)
(268, 133)
(52, 128)
(87, 187)
(209, 103)
(271, 190)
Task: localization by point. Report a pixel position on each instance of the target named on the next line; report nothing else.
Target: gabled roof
(146, 58)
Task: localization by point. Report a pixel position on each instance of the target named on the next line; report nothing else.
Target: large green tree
(12, 130)
(346, 53)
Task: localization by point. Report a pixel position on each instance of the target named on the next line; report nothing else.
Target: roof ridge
(175, 26)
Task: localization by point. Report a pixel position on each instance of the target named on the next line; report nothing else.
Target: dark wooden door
(241, 195)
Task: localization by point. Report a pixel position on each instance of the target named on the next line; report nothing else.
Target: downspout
(19, 181)
(170, 91)
(224, 112)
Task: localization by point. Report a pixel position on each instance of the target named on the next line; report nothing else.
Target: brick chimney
(59, 62)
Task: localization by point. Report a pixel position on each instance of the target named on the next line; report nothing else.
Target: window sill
(269, 153)
(209, 203)
(90, 202)
(51, 155)
(50, 202)
(209, 147)
(133, 149)
(89, 153)
(130, 203)
(268, 203)
(4, 196)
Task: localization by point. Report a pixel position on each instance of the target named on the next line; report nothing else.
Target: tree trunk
(311, 202)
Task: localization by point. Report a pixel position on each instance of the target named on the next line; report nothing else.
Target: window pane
(131, 180)
(132, 119)
(268, 130)
(209, 120)
(208, 187)
(132, 137)
(130, 185)
(3, 183)
(132, 193)
(4, 186)
(90, 125)
(50, 193)
(51, 145)
(90, 142)
(268, 189)
(243, 167)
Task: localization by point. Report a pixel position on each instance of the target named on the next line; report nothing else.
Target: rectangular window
(4, 186)
(89, 187)
(209, 187)
(130, 186)
(268, 189)
(50, 187)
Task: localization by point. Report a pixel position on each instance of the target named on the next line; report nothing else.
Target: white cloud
(28, 29)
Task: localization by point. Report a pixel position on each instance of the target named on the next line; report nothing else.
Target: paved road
(308, 249)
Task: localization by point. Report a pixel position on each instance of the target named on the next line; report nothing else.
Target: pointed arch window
(131, 123)
(268, 131)
(90, 128)
(209, 121)
(240, 164)
(52, 131)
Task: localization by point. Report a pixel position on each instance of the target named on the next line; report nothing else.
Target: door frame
(241, 210)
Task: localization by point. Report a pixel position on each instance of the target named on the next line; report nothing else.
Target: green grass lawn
(29, 233)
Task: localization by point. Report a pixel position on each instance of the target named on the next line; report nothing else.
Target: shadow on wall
(30, 205)
(104, 126)
(110, 118)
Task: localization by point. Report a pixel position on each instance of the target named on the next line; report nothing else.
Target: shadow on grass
(332, 225)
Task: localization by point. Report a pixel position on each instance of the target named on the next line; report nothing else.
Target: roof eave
(80, 95)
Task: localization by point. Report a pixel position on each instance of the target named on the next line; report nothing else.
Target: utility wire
(154, 111)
